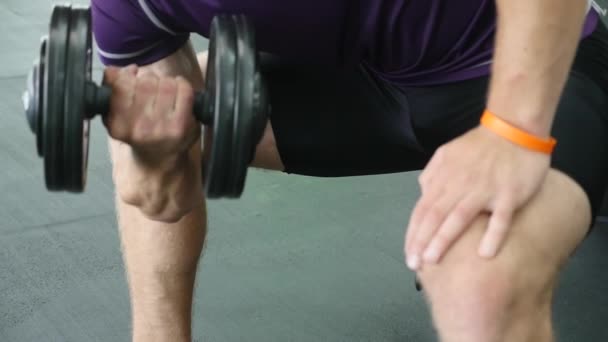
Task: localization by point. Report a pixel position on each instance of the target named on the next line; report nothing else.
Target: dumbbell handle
(98, 102)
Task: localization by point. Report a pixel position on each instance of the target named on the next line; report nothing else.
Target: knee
(478, 299)
(468, 300)
(473, 299)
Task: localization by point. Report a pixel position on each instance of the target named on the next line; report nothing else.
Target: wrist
(157, 163)
(528, 114)
(517, 135)
(535, 122)
(165, 191)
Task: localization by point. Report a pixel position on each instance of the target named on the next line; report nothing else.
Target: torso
(415, 42)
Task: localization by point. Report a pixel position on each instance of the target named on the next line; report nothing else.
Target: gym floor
(295, 259)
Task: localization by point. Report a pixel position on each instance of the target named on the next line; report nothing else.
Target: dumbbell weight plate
(240, 104)
(32, 98)
(53, 96)
(78, 66)
(243, 141)
(39, 84)
(58, 98)
(220, 99)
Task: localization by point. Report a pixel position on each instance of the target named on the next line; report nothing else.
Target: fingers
(165, 98)
(185, 96)
(151, 113)
(146, 90)
(499, 224)
(145, 128)
(430, 214)
(424, 180)
(119, 121)
(455, 224)
(426, 177)
(184, 119)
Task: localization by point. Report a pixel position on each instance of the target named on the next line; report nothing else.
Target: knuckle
(434, 214)
(143, 130)
(123, 87)
(182, 81)
(167, 86)
(419, 243)
(460, 214)
(147, 84)
(442, 239)
(184, 86)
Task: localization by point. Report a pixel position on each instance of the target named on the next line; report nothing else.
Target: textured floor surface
(296, 259)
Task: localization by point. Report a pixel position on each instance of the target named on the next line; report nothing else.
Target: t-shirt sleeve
(131, 32)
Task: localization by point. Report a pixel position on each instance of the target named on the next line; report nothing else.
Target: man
(374, 87)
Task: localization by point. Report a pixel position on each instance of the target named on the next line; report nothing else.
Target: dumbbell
(61, 99)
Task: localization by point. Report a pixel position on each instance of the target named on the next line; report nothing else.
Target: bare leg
(508, 299)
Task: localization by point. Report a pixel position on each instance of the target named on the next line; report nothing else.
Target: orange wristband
(516, 135)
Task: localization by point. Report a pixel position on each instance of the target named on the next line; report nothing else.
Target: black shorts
(332, 123)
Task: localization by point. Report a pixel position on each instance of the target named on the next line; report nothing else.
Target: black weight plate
(40, 88)
(76, 126)
(32, 97)
(220, 86)
(243, 140)
(52, 130)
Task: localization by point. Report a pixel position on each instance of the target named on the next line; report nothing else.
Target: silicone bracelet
(516, 135)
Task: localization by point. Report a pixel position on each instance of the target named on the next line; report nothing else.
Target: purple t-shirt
(409, 43)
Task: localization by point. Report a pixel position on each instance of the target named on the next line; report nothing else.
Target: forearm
(160, 257)
(162, 193)
(161, 180)
(162, 224)
(534, 49)
(161, 261)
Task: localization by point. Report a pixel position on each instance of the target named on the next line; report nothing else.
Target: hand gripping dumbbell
(61, 99)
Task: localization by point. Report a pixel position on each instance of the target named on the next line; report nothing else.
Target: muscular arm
(535, 47)
(479, 172)
(162, 224)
